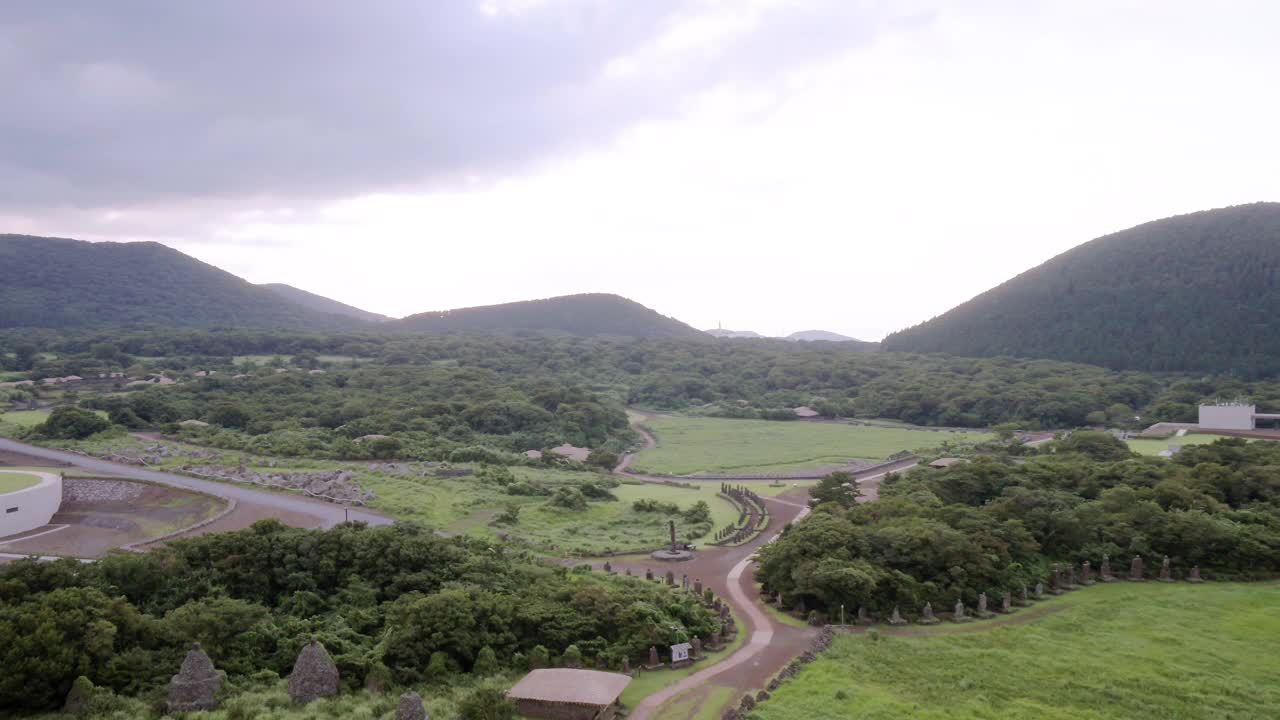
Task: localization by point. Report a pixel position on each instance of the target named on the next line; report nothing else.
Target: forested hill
(1194, 292)
(582, 315)
(320, 303)
(58, 283)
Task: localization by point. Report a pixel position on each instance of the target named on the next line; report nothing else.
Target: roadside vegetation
(1110, 652)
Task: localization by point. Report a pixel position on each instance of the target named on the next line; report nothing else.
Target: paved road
(329, 513)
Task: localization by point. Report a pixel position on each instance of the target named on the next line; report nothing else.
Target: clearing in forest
(1125, 651)
(718, 445)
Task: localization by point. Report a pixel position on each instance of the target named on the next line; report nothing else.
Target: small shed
(569, 694)
(193, 424)
(941, 463)
(571, 452)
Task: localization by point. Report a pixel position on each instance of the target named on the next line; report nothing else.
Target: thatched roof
(571, 452)
(575, 687)
(805, 411)
(945, 462)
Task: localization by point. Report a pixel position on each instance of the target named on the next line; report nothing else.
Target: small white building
(1232, 416)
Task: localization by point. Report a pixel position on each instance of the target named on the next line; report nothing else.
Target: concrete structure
(31, 507)
(1232, 416)
(567, 694)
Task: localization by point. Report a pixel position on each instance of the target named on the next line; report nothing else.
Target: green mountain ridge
(320, 303)
(583, 315)
(1189, 293)
(62, 283)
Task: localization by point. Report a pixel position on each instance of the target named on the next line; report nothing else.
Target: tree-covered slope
(55, 282)
(1195, 292)
(320, 303)
(583, 315)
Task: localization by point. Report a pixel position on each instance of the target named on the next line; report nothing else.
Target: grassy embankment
(690, 445)
(1124, 651)
(1152, 446)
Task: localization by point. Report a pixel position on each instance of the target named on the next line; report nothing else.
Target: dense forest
(58, 283)
(1193, 292)
(397, 602)
(440, 394)
(322, 304)
(995, 524)
(587, 314)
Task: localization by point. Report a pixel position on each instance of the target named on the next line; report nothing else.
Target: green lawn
(690, 445)
(24, 418)
(15, 481)
(1149, 446)
(1125, 651)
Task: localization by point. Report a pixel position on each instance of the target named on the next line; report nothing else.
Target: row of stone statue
(695, 586)
(1060, 580)
(314, 676)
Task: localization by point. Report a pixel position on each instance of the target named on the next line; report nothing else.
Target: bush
(569, 498)
(486, 662)
(72, 423)
(486, 703)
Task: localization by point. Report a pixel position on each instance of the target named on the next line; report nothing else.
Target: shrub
(486, 703)
(72, 423)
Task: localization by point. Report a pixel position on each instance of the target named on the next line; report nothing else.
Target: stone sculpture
(626, 666)
(1006, 602)
(863, 617)
(1086, 573)
(196, 685)
(1039, 590)
(958, 615)
(896, 618)
(410, 707)
(1135, 569)
(653, 657)
(607, 568)
(314, 675)
(671, 579)
(697, 648)
(982, 611)
(1166, 570)
(648, 574)
(1105, 571)
(697, 586)
(1195, 574)
(928, 618)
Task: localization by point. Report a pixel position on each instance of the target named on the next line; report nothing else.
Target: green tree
(486, 703)
(72, 423)
(838, 487)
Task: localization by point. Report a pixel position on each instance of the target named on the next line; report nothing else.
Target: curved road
(329, 513)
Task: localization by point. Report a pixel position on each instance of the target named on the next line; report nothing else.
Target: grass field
(689, 445)
(1124, 651)
(1147, 446)
(15, 481)
(24, 418)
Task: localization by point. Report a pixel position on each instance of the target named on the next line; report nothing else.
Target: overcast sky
(772, 165)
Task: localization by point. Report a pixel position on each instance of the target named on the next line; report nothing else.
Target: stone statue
(1105, 572)
(410, 707)
(1135, 569)
(1166, 570)
(1071, 576)
(697, 586)
(928, 618)
(314, 675)
(1025, 599)
(653, 657)
(896, 618)
(607, 567)
(959, 615)
(1006, 602)
(628, 572)
(626, 666)
(1195, 574)
(1039, 590)
(1086, 573)
(863, 617)
(671, 579)
(715, 640)
(983, 612)
(196, 685)
(648, 574)
(697, 647)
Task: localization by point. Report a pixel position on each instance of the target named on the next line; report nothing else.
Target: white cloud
(860, 192)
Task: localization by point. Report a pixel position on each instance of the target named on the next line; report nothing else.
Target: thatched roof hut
(567, 694)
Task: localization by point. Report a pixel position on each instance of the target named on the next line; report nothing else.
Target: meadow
(1125, 651)
(717, 445)
(1153, 446)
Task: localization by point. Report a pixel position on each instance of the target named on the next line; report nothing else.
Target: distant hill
(821, 335)
(56, 282)
(720, 332)
(1195, 292)
(320, 303)
(588, 314)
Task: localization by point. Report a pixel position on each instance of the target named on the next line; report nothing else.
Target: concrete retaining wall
(33, 507)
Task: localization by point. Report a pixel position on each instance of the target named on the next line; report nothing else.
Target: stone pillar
(697, 586)
(671, 579)
(1166, 571)
(1195, 574)
(863, 617)
(1086, 573)
(674, 546)
(1006, 603)
(1135, 569)
(648, 574)
(653, 657)
(410, 707)
(697, 647)
(314, 675)
(626, 666)
(1039, 590)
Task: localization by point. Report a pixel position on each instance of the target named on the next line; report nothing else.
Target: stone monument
(1194, 577)
(896, 618)
(1105, 572)
(1135, 569)
(928, 618)
(314, 675)
(674, 553)
(958, 615)
(982, 611)
(410, 707)
(1086, 573)
(654, 662)
(1166, 570)
(196, 685)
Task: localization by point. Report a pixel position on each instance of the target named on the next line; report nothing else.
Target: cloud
(129, 104)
